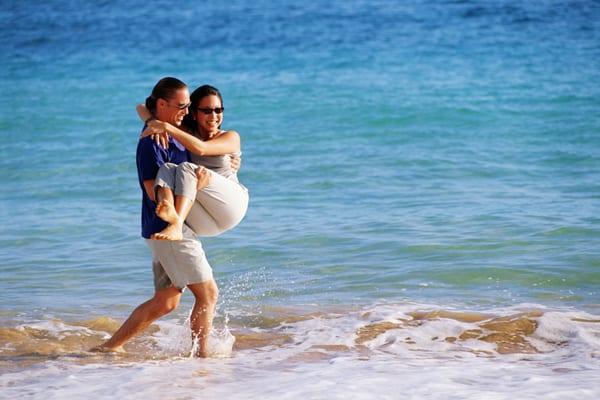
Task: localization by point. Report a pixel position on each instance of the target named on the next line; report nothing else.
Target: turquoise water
(409, 151)
(443, 154)
(447, 151)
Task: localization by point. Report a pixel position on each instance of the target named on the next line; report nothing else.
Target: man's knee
(214, 294)
(163, 305)
(211, 295)
(164, 308)
(205, 293)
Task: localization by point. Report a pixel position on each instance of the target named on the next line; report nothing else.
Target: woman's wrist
(169, 128)
(150, 118)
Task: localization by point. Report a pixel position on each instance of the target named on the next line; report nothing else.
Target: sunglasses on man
(180, 106)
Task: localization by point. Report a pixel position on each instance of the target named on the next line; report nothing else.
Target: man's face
(174, 109)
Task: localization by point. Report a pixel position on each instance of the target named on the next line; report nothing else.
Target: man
(176, 264)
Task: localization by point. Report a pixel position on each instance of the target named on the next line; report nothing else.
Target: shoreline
(350, 352)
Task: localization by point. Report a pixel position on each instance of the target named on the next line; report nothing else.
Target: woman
(210, 200)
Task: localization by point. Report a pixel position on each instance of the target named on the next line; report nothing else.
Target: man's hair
(164, 89)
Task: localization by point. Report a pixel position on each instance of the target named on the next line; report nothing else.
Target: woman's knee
(165, 176)
(168, 167)
(187, 167)
(235, 212)
(231, 218)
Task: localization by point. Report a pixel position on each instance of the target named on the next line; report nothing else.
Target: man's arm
(149, 186)
(149, 160)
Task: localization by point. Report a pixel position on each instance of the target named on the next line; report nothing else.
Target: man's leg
(206, 294)
(163, 302)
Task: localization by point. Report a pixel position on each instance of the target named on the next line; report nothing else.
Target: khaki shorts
(179, 263)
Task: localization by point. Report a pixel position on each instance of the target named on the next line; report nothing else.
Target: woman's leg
(220, 204)
(170, 208)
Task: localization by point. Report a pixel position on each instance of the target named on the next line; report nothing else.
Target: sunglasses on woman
(208, 111)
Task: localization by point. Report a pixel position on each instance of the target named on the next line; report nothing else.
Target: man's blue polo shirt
(149, 158)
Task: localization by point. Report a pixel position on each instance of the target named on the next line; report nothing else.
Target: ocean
(424, 210)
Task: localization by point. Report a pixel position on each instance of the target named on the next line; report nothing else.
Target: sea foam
(379, 351)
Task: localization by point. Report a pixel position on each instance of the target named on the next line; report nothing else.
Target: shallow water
(402, 158)
(358, 352)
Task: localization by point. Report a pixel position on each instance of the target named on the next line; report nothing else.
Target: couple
(188, 178)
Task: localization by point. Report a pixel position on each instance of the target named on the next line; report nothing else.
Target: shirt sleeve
(150, 159)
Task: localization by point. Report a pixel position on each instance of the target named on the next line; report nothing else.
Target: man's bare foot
(105, 349)
(166, 211)
(171, 232)
(201, 354)
(203, 178)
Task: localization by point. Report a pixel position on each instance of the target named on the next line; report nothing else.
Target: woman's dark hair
(164, 89)
(195, 98)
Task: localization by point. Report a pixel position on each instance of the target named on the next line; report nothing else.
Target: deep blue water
(445, 152)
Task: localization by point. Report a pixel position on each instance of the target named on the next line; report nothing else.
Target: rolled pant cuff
(187, 193)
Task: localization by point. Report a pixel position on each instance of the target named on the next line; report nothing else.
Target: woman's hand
(158, 130)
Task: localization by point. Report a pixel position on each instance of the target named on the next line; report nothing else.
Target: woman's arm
(226, 143)
(161, 139)
(143, 112)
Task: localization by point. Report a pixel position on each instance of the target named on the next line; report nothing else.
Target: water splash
(221, 341)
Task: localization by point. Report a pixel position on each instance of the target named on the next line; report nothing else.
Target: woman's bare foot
(166, 211)
(171, 232)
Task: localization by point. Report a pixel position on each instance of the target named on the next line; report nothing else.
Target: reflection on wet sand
(245, 340)
(508, 333)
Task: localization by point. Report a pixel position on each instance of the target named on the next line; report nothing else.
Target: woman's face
(209, 115)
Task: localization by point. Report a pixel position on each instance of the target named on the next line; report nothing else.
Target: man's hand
(235, 162)
(203, 178)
